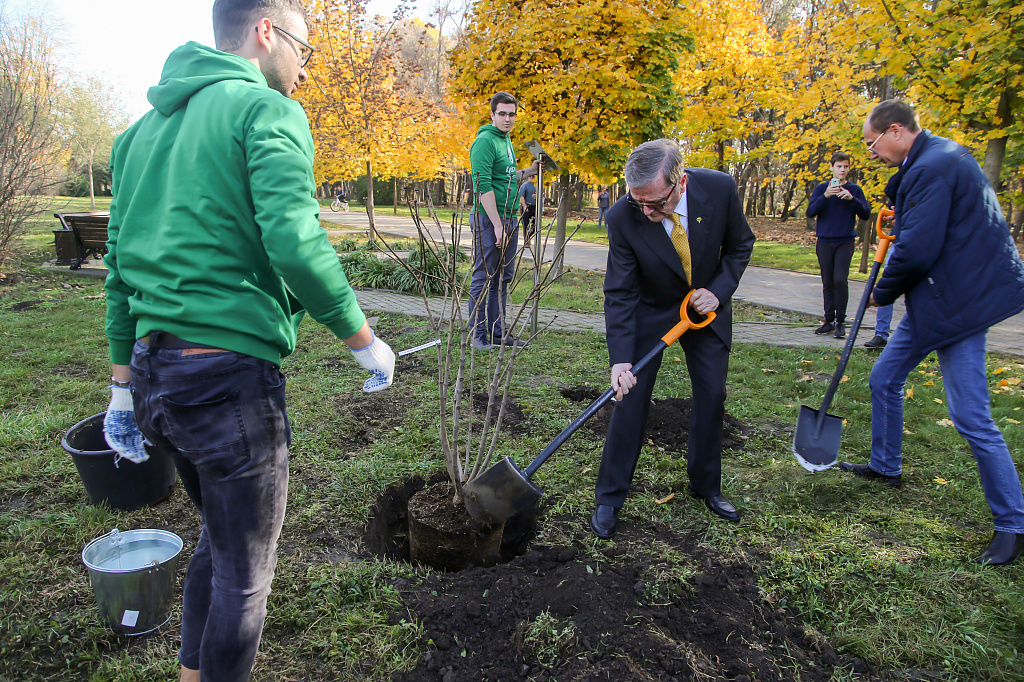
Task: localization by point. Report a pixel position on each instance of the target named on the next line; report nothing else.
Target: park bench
(88, 236)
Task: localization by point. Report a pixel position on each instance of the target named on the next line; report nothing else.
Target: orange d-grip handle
(685, 322)
(883, 239)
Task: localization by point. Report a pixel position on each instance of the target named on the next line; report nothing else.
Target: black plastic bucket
(125, 486)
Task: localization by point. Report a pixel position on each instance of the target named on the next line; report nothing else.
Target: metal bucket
(132, 575)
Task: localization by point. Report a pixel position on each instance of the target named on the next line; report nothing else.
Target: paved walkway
(781, 289)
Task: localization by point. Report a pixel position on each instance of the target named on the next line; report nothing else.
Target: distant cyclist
(339, 200)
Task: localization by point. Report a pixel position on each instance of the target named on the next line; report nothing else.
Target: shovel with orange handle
(504, 489)
(816, 441)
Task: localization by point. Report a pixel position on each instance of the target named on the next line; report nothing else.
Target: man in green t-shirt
(495, 225)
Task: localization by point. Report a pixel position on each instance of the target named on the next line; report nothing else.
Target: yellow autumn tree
(594, 76)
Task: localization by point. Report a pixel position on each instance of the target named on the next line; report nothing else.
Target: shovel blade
(817, 450)
(498, 493)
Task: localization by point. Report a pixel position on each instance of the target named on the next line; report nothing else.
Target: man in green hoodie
(495, 225)
(215, 252)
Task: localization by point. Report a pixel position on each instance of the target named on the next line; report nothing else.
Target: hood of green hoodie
(192, 67)
(493, 129)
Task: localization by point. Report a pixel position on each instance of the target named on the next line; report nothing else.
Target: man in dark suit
(675, 230)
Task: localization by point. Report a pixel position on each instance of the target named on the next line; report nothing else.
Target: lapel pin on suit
(699, 218)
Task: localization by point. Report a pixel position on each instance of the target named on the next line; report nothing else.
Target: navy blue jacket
(837, 218)
(953, 257)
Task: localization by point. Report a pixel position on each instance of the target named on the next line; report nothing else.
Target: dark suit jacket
(645, 282)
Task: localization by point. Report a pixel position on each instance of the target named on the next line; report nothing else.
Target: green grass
(885, 574)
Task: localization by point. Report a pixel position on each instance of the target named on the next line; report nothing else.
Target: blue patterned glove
(380, 360)
(120, 430)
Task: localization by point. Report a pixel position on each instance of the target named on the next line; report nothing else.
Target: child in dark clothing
(837, 204)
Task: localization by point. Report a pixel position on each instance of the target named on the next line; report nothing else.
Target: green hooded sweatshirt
(214, 231)
(494, 169)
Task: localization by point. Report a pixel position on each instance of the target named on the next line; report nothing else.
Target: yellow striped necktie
(681, 241)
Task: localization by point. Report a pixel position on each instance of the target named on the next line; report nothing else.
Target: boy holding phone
(837, 204)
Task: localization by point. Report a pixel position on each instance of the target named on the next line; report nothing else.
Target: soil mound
(668, 422)
(557, 614)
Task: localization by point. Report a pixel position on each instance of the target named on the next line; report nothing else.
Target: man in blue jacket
(836, 204)
(960, 273)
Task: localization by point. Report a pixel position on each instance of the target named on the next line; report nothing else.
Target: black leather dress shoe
(864, 471)
(718, 505)
(604, 520)
(1005, 548)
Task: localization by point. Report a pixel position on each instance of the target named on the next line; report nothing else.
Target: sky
(125, 42)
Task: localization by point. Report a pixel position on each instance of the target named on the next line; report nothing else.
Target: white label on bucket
(130, 618)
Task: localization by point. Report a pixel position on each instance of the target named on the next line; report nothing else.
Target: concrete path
(782, 289)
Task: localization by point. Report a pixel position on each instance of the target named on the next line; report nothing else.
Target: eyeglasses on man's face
(653, 205)
(505, 114)
(306, 51)
(871, 146)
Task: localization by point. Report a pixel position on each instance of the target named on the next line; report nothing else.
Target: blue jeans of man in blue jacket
(959, 270)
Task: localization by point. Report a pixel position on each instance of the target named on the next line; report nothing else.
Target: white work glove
(380, 360)
(119, 428)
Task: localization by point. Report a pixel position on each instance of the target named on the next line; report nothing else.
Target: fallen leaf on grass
(844, 379)
(1012, 421)
(769, 371)
(929, 383)
(807, 362)
(910, 393)
(1004, 382)
(999, 370)
(666, 498)
(944, 422)
(938, 400)
(1013, 381)
(941, 481)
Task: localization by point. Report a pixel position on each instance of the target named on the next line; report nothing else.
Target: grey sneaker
(480, 344)
(840, 331)
(876, 342)
(825, 328)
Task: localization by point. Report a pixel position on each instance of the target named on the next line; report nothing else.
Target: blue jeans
(883, 321)
(221, 417)
(487, 308)
(966, 381)
(600, 216)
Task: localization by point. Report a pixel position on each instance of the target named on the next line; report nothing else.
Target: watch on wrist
(120, 384)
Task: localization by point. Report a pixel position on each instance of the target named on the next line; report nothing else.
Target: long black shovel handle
(883, 246)
(671, 337)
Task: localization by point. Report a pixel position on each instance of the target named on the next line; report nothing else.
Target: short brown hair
(232, 19)
(502, 98)
(893, 111)
(839, 156)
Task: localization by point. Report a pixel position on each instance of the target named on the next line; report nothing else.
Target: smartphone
(834, 182)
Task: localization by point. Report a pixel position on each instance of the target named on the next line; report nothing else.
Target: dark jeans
(834, 256)
(221, 417)
(488, 290)
(529, 218)
(601, 210)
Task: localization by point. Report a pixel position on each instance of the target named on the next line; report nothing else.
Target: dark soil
(668, 422)
(555, 613)
(625, 613)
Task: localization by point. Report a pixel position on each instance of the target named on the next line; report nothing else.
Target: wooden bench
(89, 229)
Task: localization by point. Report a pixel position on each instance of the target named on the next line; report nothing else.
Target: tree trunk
(564, 192)
(996, 150)
(394, 197)
(369, 198)
(92, 189)
(787, 197)
(808, 190)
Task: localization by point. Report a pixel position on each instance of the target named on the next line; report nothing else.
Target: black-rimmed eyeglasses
(306, 53)
(653, 205)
